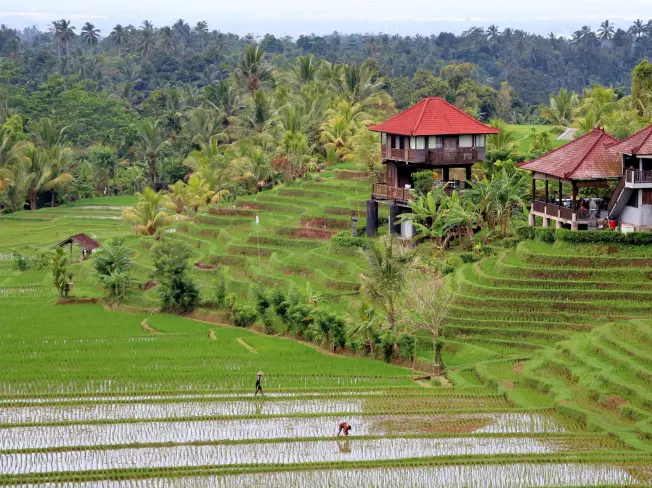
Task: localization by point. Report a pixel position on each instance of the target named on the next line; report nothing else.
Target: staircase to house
(619, 199)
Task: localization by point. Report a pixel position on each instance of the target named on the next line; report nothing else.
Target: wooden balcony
(385, 192)
(432, 156)
(564, 214)
(461, 156)
(639, 179)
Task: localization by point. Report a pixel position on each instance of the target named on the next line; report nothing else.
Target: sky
(296, 17)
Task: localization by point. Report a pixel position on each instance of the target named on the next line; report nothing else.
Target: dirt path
(248, 347)
(148, 328)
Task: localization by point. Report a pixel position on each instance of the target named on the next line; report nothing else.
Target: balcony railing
(433, 156)
(436, 156)
(635, 176)
(560, 212)
(385, 192)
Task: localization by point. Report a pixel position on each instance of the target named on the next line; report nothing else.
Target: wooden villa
(595, 160)
(586, 161)
(87, 244)
(431, 135)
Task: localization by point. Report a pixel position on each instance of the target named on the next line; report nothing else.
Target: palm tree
(606, 31)
(561, 110)
(363, 85)
(42, 170)
(147, 215)
(216, 164)
(90, 35)
(201, 30)
(383, 284)
(119, 37)
(505, 140)
(182, 30)
(147, 38)
(45, 134)
(305, 69)
(198, 193)
(252, 69)
(63, 33)
(150, 141)
(167, 39)
(492, 32)
(176, 197)
(637, 28)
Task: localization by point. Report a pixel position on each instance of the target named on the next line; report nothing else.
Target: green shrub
(244, 315)
(445, 268)
(229, 300)
(468, 257)
(545, 234)
(605, 237)
(525, 233)
(220, 291)
(21, 262)
(510, 242)
(422, 182)
(261, 297)
(345, 239)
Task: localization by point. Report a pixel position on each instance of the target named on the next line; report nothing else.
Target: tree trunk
(52, 202)
(32, 200)
(152, 171)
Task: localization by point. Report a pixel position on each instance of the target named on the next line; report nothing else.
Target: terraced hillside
(568, 324)
(548, 360)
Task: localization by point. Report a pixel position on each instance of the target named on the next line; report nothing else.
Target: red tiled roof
(432, 116)
(639, 144)
(589, 157)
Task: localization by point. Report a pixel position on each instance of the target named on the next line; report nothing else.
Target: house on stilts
(431, 135)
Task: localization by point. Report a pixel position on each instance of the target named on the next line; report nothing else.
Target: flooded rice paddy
(461, 476)
(33, 437)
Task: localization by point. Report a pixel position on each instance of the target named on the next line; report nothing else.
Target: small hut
(87, 244)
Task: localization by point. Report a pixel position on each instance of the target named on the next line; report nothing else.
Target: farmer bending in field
(258, 387)
(344, 427)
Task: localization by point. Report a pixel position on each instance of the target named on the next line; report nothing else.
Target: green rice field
(548, 354)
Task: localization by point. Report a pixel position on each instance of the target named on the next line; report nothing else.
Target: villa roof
(432, 116)
(639, 144)
(85, 242)
(590, 157)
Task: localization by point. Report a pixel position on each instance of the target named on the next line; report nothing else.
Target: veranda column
(394, 212)
(372, 218)
(531, 219)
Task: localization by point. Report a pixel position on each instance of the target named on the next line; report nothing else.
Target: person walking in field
(344, 427)
(258, 387)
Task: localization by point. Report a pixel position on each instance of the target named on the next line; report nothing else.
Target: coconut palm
(201, 30)
(45, 134)
(147, 215)
(181, 30)
(462, 217)
(253, 70)
(38, 170)
(606, 31)
(216, 164)
(175, 198)
(492, 32)
(198, 193)
(167, 39)
(63, 33)
(305, 69)
(119, 37)
(561, 110)
(150, 140)
(505, 140)
(637, 28)
(90, 35)
(362, 85)
(147, 39)
(383, 283)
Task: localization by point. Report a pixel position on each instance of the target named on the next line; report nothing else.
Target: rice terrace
(225, 268)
